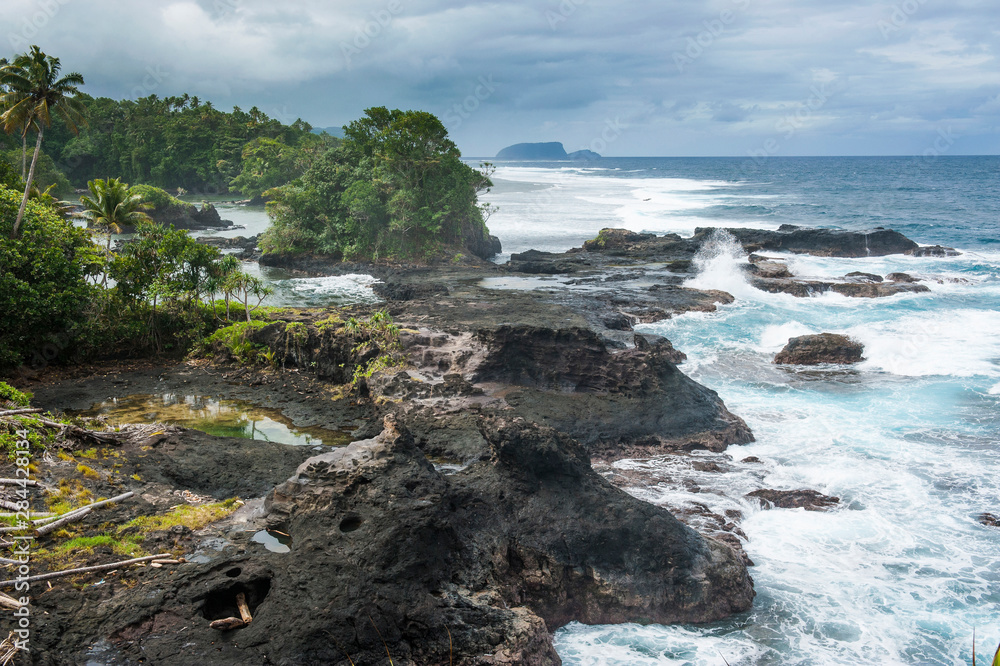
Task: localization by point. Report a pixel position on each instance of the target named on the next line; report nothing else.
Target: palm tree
(32, 90)
(112, 207)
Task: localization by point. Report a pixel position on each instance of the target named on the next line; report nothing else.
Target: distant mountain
(543, 152)
(332, 131)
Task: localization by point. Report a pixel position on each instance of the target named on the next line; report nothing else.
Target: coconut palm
(32, 90)
(111, 207)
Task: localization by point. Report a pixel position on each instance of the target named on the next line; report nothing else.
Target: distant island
(544, 152)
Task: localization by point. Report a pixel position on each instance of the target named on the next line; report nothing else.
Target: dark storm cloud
(676, 77)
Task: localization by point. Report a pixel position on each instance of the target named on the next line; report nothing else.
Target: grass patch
(70, 495)
(89, 472)
(192, 517)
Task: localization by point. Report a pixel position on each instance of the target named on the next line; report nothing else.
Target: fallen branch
(241, 603)
(68, 518)
(34, 514)
(18, 412)
(83, 570)
(75, 515)
(10, 603)
(77, 431)
(9, 649)
(228, 624)
(18, 482)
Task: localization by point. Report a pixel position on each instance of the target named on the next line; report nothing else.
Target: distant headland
(547, 152)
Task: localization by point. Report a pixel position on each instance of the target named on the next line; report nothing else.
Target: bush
(159, 199)
(44, 292)
(11, 395)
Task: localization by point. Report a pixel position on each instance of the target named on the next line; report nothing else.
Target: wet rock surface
(468, 503)
(810, 500)
(989, 520)
(822, 348)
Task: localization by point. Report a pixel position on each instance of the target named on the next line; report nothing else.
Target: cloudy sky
(643, 77)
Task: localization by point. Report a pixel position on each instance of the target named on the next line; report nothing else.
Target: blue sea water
(902, 572)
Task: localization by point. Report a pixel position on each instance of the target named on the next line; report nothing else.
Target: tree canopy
(395, 187)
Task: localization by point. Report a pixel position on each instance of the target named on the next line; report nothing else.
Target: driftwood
(18, 482)
(76, 515)
(241, 603)
(9, 650)
(70, 517)
(83, 570)
(228, 624)
(10, 603)
(81, 433)
(18, 412)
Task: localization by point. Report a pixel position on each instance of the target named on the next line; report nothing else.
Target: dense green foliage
(45, 295)
(269, 163)
(395, 187)
(172, 142)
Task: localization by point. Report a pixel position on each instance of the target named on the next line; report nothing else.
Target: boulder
(616, 239)
(820, 242)
(934, 251)
(901, 277)
(989, 520)
(630, 402)
(810, 500)
(858, 276)
(822, 348)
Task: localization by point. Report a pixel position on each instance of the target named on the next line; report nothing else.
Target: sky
(635, 78)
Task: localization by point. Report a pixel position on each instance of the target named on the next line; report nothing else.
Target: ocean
(902, 571)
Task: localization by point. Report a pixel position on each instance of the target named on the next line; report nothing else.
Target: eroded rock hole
(350, 523)
(220, 603)
(233, 573)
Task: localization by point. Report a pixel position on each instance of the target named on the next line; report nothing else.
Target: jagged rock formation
(476, 566)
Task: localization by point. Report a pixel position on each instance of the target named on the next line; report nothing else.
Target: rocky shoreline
(479, 508)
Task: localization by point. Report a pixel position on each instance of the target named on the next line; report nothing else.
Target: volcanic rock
(476, 567)
(934, 251)
(810, 500)
(822, 348)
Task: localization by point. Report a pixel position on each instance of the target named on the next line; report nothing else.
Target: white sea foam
(995, 389)
(354, 288)
(555, 209)
(719, 263)
(959, 343)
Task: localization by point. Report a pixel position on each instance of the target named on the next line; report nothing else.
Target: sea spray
(720, 262)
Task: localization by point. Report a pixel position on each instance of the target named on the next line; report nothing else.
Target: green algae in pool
(222, 418)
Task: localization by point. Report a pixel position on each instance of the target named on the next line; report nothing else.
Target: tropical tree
(32, 91)
(111, 207)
